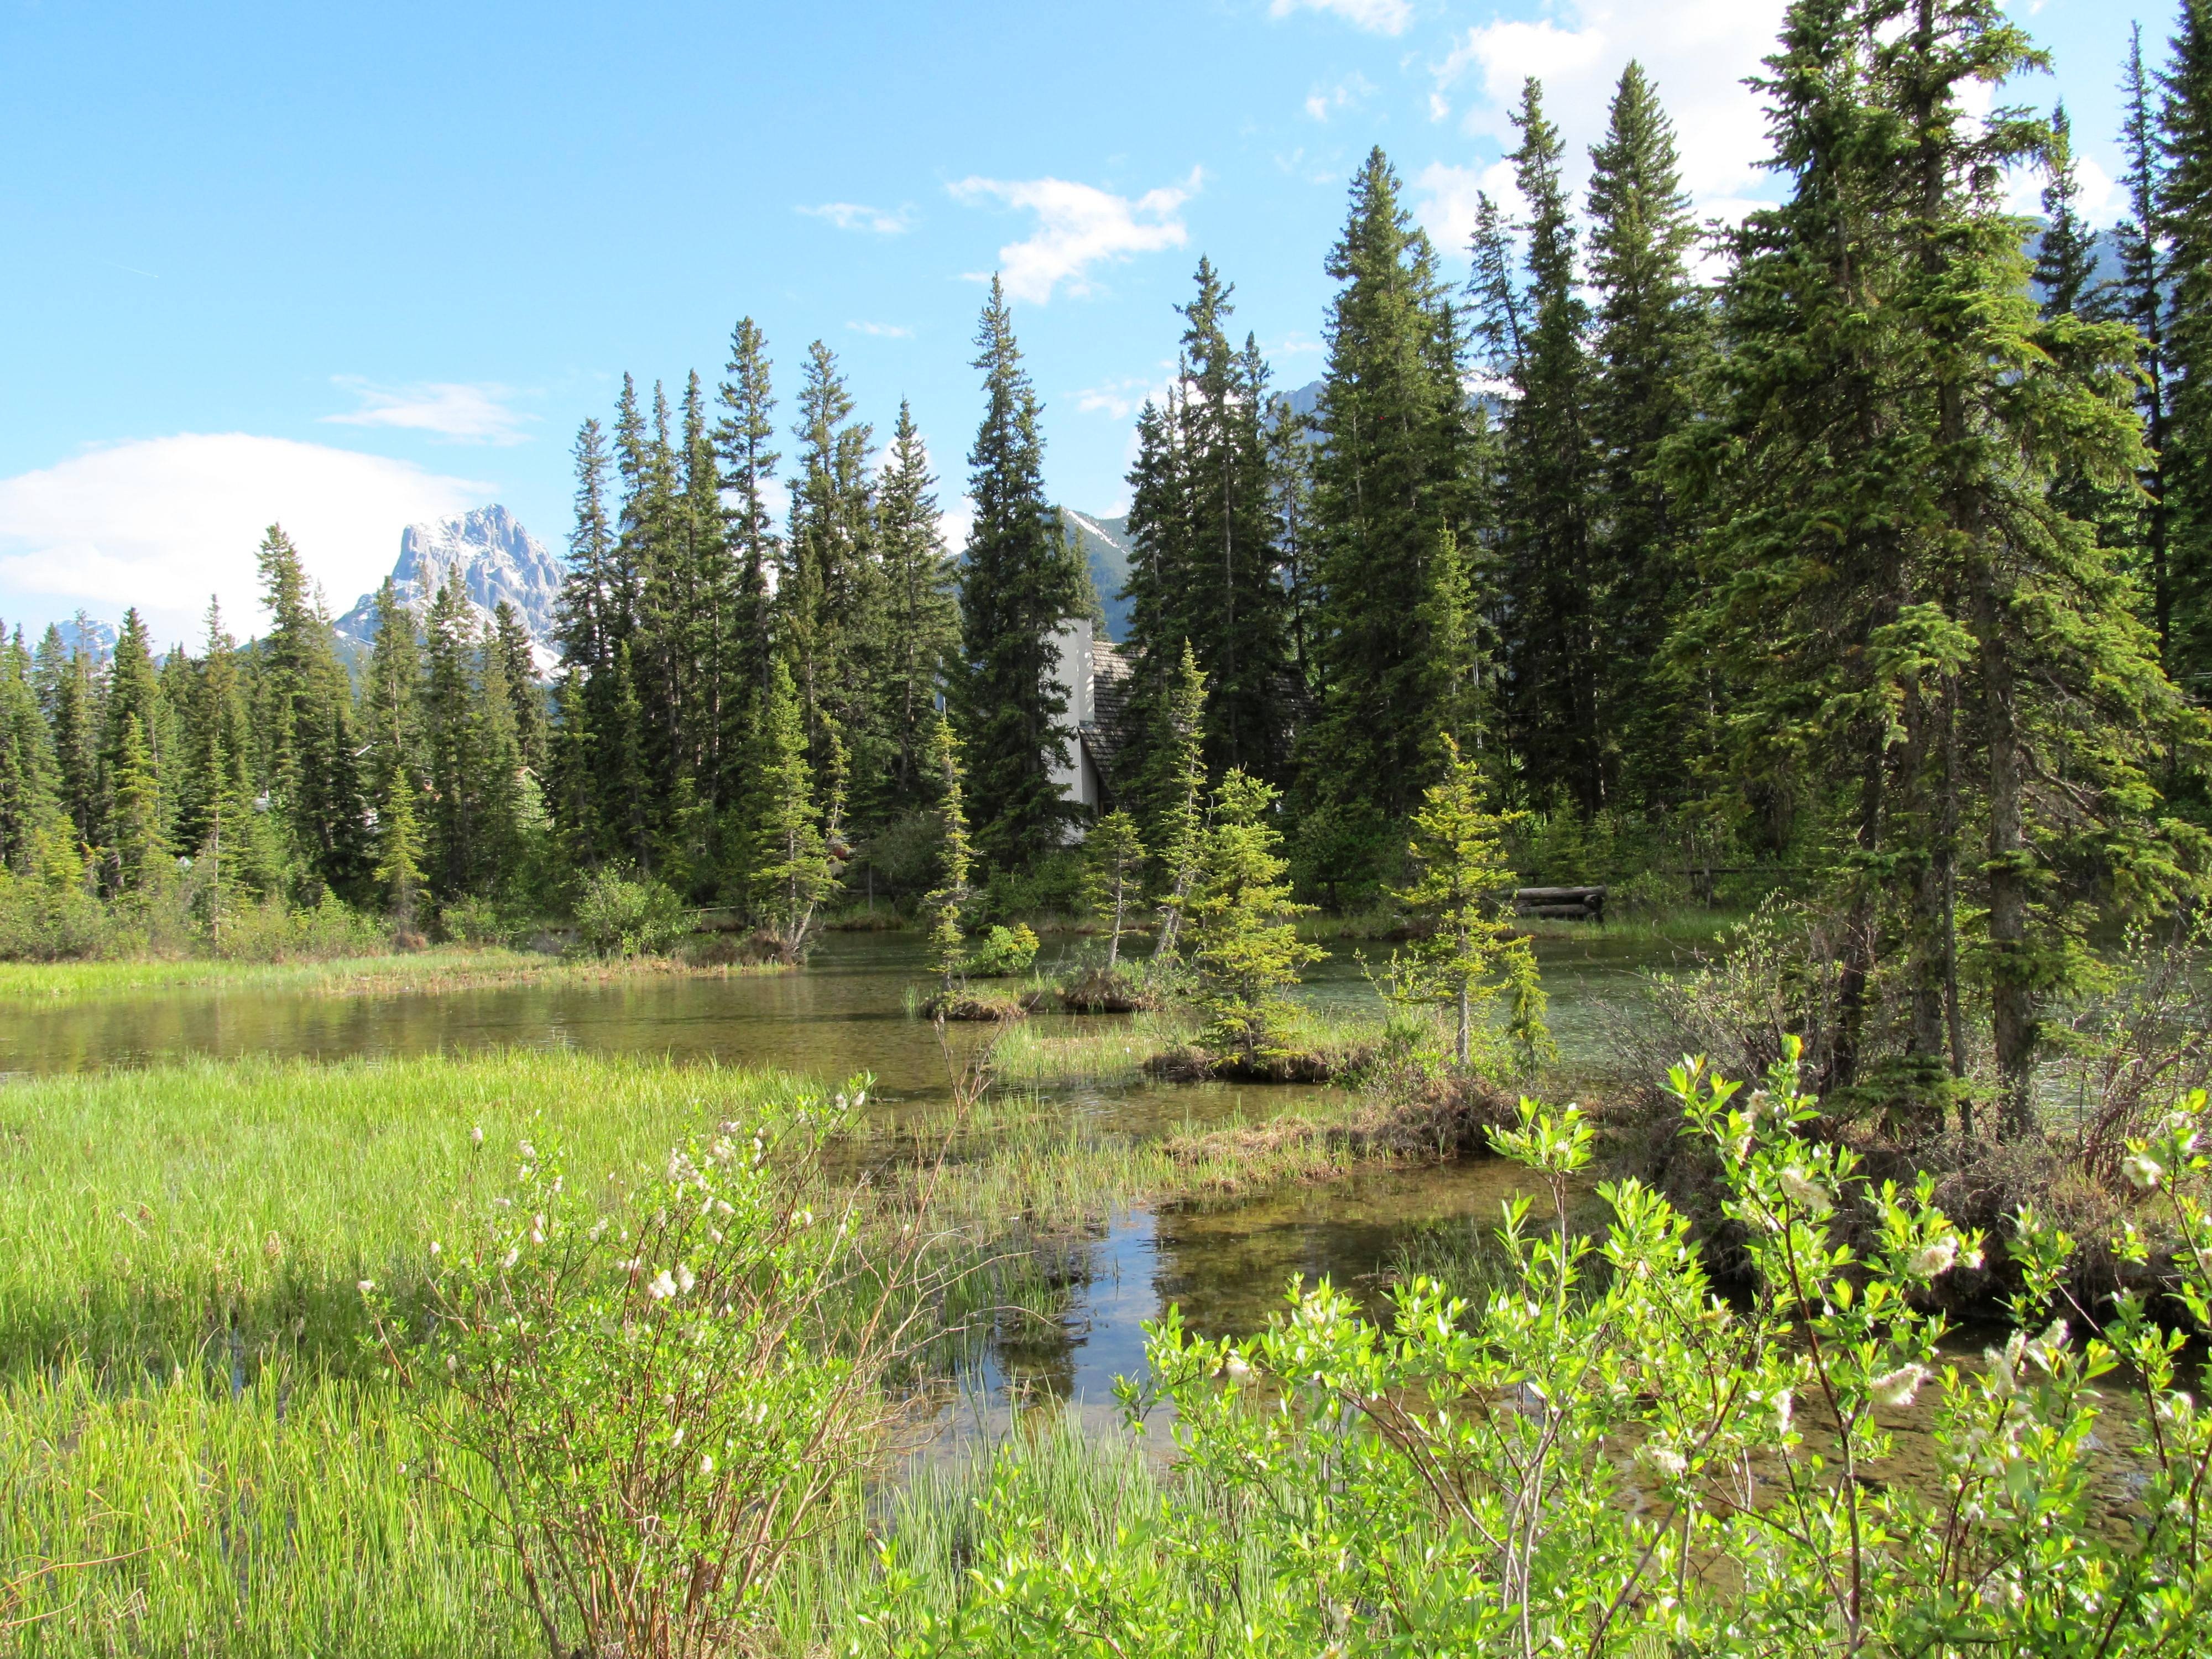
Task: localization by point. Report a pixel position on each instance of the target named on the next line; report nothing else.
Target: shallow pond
(1226, 1265)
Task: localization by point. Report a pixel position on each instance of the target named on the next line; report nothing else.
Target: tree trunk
(2011, 996)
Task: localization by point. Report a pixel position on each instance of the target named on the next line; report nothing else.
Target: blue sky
(354, 265)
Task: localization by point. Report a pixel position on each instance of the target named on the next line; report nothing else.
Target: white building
(1097, 677)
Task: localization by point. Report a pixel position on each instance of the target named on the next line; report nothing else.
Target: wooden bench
(1560, 903)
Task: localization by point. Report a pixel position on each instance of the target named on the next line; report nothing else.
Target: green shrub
(1004, 951)
(617, 916)
(475, 920)
(1603, 1457)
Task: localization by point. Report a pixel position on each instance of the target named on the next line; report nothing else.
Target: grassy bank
(447, 967)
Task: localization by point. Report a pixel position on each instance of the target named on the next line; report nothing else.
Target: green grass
(156, 1211)
(299, 1517)
(447, 968)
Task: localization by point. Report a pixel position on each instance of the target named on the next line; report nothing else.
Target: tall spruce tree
(921, 620)
(1205, 568)
(304, 715)
(2185, 218)
(1918, 613)
(1643, 360)
(829, 598)
(743, 438)
(2066, 247)
(1391, 470)
(30, 800)
(2142, 295)
(1550, 459)
(1019, 581)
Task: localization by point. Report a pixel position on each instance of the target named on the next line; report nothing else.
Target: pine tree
(70, 691)
(943, 904)
(789, 868)
(2066, 249)
(1244, 926)
(1548, 467)
(399, 850)
(304, 719)
(829, 601)
(451, 751)
(2142, 295)
(1113, 866)
(1390, 470)
(134, 830)
(586, 677)
(234, 850)
(138, 851)
(30, 802)
(1178, 832)
(510, 640)
(1020, 579)
(1919, 614)
(1643, 360)
(1469, 954)
(2185, 217)
(921, 619)
(1204, 568)
(742, 438)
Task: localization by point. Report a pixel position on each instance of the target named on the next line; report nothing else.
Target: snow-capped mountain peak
(497, 559)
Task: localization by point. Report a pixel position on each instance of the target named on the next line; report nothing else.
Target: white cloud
(1079, 226)
(1375, 17)
(1323, 102)
(2101, 202)
(1121, 399)
(465, 414)
(1698, 53)
(883, 331)
(855, 216)
(1448, 200)
(163, 523)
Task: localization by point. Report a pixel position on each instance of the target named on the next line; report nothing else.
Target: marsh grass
(229, 1209)
(304, 1515)
(447, 968)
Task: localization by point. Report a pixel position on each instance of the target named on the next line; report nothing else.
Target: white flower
(685, 1280)
(1933, 1260)
(706, 1462)
(1785, 1408)
(1662, 1461)
(1235, 1366)
(364, 1285)
(1805, 1192)
(1898, 1388)
(453, 1362)
(599, 1228)
(529, 1152)
(662, 1285)
(434, 1247)
(511, 1257)
(2141, 1171)
(677, 1439)
(723, 1206)
(476, 1136)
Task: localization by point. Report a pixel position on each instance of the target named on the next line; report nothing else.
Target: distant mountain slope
(1105, 546)
(498, 559)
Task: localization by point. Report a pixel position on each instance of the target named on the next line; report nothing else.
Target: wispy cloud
(1121, 399)
(165, 522)
(883, 331)
(1079, 226)
(1697, 52)
(1375, 17)
(857, 216)
(1324, 101)
(466, 414)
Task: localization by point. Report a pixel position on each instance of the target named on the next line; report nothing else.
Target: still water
(1227, 1266)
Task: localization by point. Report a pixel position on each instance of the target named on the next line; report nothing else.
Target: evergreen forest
(1861, 549)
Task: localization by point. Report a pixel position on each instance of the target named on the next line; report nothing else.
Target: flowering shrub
(667, 1394)
(1608, 1457)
